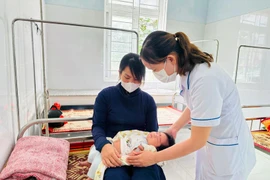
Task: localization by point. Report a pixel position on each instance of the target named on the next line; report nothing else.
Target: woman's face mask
(128, 82)
(164, 77)
(130, 87)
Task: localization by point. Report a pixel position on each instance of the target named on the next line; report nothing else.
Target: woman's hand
(142, 158)
(110, 156)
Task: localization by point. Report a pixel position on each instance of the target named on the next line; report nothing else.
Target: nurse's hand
(110, 156)
(142, 158)
(172, 132)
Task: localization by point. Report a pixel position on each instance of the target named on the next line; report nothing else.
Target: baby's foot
(85, 163)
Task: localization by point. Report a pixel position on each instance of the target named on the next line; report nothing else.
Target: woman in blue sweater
(124, 107)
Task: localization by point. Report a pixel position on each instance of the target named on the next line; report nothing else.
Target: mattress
(166, 116)
(261, 140)
(73, 126)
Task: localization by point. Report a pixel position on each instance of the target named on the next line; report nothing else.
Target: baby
(125, 142)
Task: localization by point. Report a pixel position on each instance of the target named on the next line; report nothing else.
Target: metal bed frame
(235, 81)
(70, 136)
(255, 118)
(45, 92)
(238, 56)
(210, 40)
(53, 120)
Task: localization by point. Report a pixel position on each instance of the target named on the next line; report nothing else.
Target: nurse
(219, 132)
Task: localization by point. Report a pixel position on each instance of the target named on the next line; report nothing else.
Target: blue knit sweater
(116, 110)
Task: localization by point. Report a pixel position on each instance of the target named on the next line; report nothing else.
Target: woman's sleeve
(99, 120)
(151, 116)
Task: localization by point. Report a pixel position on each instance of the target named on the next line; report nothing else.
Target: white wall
(248, 29)
(6, 124)
(195, 31)
(188, 17)
(10, 9)
(74, 54)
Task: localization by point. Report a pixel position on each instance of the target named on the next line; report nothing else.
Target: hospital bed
(80, 144)
(254, 115)
(78, 150)
(166, 116)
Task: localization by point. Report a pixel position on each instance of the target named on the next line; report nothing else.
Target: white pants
(94, 158)
(242, 175)
(203, 171)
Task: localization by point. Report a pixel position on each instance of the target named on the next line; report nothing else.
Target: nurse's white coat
(213, 100)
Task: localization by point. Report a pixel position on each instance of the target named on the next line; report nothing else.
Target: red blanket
(42, 157)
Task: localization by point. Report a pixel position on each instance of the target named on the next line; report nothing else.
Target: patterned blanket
(262, 139)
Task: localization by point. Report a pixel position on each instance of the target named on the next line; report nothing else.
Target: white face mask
(164, 77)
(130, 87)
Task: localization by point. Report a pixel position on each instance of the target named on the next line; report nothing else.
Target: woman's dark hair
(55, 114)
(171, 142)
(135, 65)
(159, 44)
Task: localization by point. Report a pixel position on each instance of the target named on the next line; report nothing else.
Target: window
(143, 16)
(250, 68)
(254, 19)
(251, 61)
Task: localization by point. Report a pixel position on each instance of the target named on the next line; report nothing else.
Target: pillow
(266, 123)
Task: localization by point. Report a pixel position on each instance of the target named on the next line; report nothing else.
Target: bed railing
(238, 56)
(252, 119)
(256, 106)
(86, 134)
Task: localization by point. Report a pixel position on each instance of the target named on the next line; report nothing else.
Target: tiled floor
(184, 168)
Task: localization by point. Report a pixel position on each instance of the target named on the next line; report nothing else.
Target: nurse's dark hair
(135, 65)
(171, 142)
(159, 44)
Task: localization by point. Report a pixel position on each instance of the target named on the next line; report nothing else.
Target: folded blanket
(35, 156)
(266, 123)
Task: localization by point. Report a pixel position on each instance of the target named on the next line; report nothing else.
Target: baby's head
(160, 140)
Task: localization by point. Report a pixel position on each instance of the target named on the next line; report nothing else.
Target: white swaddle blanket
(130, 140)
